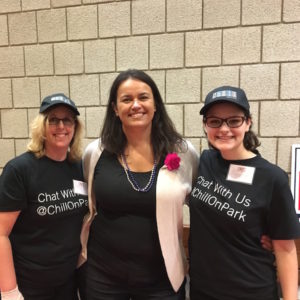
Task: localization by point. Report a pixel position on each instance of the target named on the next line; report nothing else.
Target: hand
(266, 243)
(12, 295)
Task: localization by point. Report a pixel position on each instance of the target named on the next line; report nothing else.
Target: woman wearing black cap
(42, 204)
(238, 197)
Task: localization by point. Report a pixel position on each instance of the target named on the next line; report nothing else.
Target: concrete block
(54, 84)
(192, 121)
(166, 51)
(35, 4)
(260, 81)
(219, 13)
(21, 146)
(8, 6)
(22, 28)
(241, 45)
(68, 58)
(26, 92)
(95, 1)
(11, 62)
(7, 151)
(159, 78)
(138, 55)
(285, 152)
(14, 123)
(290, 81)
(31, 113)
(99, 56)
(82, 22)
(213, 77)
(106, 81)
(268, 149)
(62, 3)
(203, 48)
(184, 15)
(204, 144)
(5, 93)
(261, 11)
(39, 60)
(52, 25)
(183, 85)
(291, 10)
(279, 118)
(281, 42)
(94, 121)
(148, 16)
(114, 19)
(175, 112)
(85, 90)
(3, 31)
(255, 113)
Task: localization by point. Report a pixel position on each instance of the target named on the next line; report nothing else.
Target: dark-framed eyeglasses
(231, 122)
(68, 122)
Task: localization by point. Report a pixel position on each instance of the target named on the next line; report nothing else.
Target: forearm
(7, 270)
(287, 267)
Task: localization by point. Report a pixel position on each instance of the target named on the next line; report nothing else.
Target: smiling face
(135, 105)
(229, 141)
(59, 136)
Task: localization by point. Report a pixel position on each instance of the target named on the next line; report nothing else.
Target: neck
(246, 154)
(138, 140)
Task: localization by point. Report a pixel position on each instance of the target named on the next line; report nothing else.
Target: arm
(287, 266)
(7, 271)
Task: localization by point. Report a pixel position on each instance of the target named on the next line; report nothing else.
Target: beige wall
(187, 46)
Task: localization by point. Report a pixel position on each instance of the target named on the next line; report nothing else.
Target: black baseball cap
(226, 94)
(58, 99)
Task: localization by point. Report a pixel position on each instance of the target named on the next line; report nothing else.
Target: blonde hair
(38, 137)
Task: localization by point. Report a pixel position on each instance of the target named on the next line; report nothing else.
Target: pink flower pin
(172, 161)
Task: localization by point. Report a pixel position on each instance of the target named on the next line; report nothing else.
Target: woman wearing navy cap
(42, 204)
(239, 196)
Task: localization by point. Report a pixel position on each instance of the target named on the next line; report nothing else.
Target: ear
(115, 109)
(204, 127)
(248, 123)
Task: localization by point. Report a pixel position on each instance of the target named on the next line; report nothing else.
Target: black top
(228, 218)
(123, 240)
(45, 238)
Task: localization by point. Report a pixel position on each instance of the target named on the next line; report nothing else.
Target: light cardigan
(172, 188)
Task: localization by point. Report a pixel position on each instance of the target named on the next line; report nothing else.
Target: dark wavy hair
(251, 141)
(164, 137)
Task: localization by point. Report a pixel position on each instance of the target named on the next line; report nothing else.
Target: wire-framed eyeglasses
(68, 122)
(231, 122)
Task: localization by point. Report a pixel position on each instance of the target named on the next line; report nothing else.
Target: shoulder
(274, 171)
(93, 150)
(23, 160)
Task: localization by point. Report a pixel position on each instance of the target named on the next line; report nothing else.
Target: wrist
(12, 294)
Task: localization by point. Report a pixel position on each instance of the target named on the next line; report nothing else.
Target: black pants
(93, 289)
(67, 291)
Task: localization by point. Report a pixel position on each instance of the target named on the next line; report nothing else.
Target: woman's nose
(136, 103)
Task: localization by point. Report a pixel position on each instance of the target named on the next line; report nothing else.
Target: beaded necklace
(133, 181)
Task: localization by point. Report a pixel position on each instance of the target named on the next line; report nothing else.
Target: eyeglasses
(232, 122)
(53, 121)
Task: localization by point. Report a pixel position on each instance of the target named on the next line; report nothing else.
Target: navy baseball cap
(226, 94)
(58, 99)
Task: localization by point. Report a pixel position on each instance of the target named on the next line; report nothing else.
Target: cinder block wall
(187, 46)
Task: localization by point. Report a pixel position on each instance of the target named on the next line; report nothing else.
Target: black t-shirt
(123, 241)
(46, 236)
(229, 213)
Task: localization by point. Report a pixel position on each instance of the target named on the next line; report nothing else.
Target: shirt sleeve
(283, 221)
(12, 190)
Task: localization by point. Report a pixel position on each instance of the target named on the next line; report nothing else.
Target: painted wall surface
(187, 46)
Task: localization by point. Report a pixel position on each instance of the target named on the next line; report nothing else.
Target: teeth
(137, 115)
